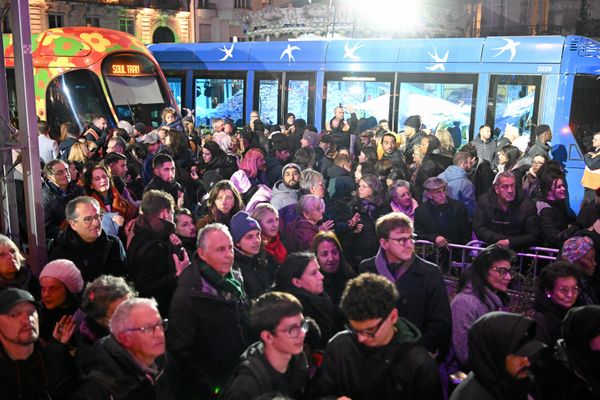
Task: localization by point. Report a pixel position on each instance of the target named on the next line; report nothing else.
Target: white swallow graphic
(510, 45)
(349, 51)
(228, 52)
(439, 61)
(289, 52)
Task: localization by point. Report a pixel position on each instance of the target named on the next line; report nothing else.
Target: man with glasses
(277, 363)
(132, 362)
(423, 299)
(379, 356)
(57, 191)
(85, 243)
(506, 217)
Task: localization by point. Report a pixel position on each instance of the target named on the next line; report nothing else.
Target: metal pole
(28, 134)
(8, 209)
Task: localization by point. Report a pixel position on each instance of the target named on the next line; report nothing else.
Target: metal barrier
(448, 258)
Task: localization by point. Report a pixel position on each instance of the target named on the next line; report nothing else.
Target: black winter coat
(449, 220)
(554, 222)
(48, 373)
(54, 202)
(365, 243)
(259, 275)
(110, 373)
(207, 333)
(519, 224)
(432, 165)
(548, 316)
(150, 259)
(254, 376)
(105, 256)
(401, 369)
(423, 301)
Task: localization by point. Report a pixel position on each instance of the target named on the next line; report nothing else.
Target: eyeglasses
(150, 329)
(402, 241)
(294, 331)
(565, 291)
(369, 333)
(92, 218)
(503, 271)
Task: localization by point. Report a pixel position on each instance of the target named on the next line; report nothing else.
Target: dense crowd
(278, 262)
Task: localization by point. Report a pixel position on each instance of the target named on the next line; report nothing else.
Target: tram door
(279, 93)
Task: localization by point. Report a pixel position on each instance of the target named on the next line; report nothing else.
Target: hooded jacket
(284, 200)
(519, 223)
(111, 373)
(491, 339)
(402, 369)
(105, 256)
(255, 376)
(460, 188)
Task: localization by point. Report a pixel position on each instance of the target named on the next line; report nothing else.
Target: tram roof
(74, 46)
(435, 55)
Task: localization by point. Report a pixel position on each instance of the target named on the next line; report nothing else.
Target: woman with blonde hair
(446, 142)
(14, 272)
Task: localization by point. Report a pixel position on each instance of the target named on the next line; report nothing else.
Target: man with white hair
(208, 316)
(132, 362)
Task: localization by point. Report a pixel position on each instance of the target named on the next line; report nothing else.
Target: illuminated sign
(126, 69)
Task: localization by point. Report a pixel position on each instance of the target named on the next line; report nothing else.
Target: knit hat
(66, 272)
(541, 129)
(414, 121)
(576, 247)
(241, 223)
(140, 127)
(290, 165)
(312, 138)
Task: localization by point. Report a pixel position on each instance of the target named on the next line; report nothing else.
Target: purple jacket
(298, 235)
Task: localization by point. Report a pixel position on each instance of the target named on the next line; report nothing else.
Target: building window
(205, 33)
(241, 4)
(56, 21)
(127, 25)
(92, 21)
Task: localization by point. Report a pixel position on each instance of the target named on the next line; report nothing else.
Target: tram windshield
(134, 88)
(75, 97)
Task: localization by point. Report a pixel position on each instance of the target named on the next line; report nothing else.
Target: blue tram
(458, 84)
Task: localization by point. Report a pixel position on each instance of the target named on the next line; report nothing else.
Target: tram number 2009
(544, 68)
(126, 69)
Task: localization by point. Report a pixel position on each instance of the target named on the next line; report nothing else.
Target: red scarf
(276, 249)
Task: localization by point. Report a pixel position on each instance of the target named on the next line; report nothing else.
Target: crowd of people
(278, 262)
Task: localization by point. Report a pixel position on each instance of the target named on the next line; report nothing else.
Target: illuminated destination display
(126, 69)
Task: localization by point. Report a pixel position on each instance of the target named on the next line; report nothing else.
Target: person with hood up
(378, 356)
(286, 192)
(501, 347)
(412, 130)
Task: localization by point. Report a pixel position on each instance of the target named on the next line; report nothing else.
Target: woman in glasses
(557, 293)
(300, 276)
(481, 289)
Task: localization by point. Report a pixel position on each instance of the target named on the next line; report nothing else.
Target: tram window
(268, 100)
(221, 97)
(513, 101)
(300, 98)
(369, 94)
(75, 97)
(584, 120)
(442, 101)
(176, 85)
